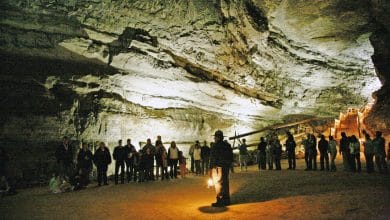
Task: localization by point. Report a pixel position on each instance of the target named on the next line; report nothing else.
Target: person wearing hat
(221, 157)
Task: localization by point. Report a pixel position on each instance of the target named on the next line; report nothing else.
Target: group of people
(217, 160)
(269, 152)
(150, 163)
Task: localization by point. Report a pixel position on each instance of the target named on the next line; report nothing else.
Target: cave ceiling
(105, 70)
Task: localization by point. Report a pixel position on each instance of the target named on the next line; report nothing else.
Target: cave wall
(101, 70)
(379, 117)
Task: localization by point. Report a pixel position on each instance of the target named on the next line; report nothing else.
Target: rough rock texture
(105, 70)
(379, 118)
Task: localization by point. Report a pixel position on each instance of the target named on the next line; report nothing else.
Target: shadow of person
(212, 210)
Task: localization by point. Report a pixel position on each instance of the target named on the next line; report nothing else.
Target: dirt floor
(282, 194)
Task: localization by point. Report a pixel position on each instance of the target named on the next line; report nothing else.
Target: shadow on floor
(212, 210)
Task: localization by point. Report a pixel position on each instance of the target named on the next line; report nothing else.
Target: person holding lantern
(221, 157)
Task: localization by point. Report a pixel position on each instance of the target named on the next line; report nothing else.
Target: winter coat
(221, 155)
(102, 157)
(84, 159)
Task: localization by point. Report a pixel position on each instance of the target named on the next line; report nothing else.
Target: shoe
(217, 204)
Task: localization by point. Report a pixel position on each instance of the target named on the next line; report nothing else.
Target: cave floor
(266, 194)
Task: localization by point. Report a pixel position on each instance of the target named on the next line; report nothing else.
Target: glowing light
(210, 183)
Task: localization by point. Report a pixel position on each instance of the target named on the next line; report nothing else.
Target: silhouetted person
(102, 159)
(332, 152)
(323, 147)
(84, 164)
(148, 160)
(354, 148)
(221, 158)
(131, 171)
(243, 154)
(64, 156)
(277, 152)
(191, 154)
(261, 154)
(344, 150)
(369, 153)
(205, 154)
(173, 158)
(152, 149)
(159, 162)
(306, 145)
(270, 154)
(290, 150)
(119, 156)
(380, 154)
(313, 151)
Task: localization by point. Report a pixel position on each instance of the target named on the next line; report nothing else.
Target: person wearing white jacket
(197, 159)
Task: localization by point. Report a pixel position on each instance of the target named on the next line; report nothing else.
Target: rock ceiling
(104, 70)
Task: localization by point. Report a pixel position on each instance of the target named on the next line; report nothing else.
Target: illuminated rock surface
(105, 70)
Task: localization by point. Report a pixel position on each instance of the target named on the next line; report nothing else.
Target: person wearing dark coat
(205, 155)
(64, 156)
(323, 147)
(119, 155)
(152, 149)
(261, 154)
(277, 152)
(148, 163)
(290, 149)
(102, 159)
(221, 158)
(380, 152)
(312, 142)
(131, 171)
(344, 150)
(84, 164)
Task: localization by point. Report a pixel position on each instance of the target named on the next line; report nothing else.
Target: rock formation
(101, 70)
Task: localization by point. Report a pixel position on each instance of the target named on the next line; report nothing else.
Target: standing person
(159, 163)
(306, 145)
(261, 154)
(269, 152)
(152, 149)
(130, 154)
(243, 155)
(221, 158)
(119, 156)
(369, 153)
(197, 158)
(323, 147)
(182, 164)
(84, 164)
(333, 153)
(205, 154)
(290, 148)
(344, 150)
(64, 156)
(232, 164)
(173, 157)
(380, 154)
(313, 151)
(148, 160)
(354, 147)
(164, 159)
(102, 159)
(277, 152)
(191, 154)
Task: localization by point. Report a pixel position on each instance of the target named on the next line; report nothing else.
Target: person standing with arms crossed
(221, 157)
